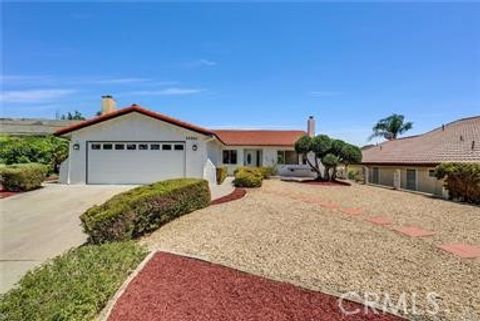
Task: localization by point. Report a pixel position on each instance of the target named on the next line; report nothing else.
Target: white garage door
(134, 162)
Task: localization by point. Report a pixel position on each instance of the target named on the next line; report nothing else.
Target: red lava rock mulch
(413, 231)
(379, 220)
(4, 193)
(235, 195)
(327, 183)
(174, 288)
(352, 211)
(462, 250)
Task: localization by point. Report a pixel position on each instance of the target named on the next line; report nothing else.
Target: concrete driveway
(41, 224)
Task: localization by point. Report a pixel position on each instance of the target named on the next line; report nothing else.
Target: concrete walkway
(44, 223)
(221, 190)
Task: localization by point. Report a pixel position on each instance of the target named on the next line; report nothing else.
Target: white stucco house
(134, 145)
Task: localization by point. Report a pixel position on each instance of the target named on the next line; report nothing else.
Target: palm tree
(391, 127)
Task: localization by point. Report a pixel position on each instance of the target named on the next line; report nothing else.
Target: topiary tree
(331, 152)
(330, 161)
(350, 154)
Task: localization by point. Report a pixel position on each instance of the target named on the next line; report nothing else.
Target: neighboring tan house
(137, 146)
(409, 163)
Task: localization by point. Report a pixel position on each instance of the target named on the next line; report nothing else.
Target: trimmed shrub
(462, 180)
(144, 209)
(267, 171)
(49, 150)
(221, 174)
(22, 177)
(74, 286)
(248, 177)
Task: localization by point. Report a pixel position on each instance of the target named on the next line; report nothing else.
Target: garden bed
(235, 195)
(5, 193)
(174, 288)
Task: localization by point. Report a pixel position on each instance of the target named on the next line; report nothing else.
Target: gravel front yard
(272, 233)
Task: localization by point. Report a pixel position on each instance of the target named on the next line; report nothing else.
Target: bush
(267, 171)
(221, 174)
(248, 177)
(144, 209)
(462, 180)
(73, 286)
(50, 150)
(22, 177)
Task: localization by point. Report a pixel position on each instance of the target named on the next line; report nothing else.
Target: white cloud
(172, 91)
(34, 95)
(325, 93)
(206, 62)
(199, 63)
(120, 80)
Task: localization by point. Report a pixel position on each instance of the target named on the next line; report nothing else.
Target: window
(143, 146)
(131, 146)
(230, 156)
(107, 146)
(155, 146)
(119, 146)
(288, 157)
(96, 146)
(431, 173)
(178, 147)
(166, 147)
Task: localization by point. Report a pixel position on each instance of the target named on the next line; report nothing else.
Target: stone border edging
(107, 310)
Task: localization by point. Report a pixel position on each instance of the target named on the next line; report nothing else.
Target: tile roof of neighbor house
(227, 137)
(458, 141)
(259, 137)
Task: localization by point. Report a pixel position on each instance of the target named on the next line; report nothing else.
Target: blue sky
(267, 65)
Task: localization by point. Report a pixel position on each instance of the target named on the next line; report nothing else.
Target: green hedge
(221, 174)
(74, 286)
(267, 171)
(462, 180)
(22, 177)
(144, 209)
(248, 177)
(49, 150)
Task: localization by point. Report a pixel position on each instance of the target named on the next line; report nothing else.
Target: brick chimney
(108, 104)
(311, 126)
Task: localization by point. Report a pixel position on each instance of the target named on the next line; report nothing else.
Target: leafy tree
(391, 127)
(330, 152)
(50, 150)
(330, 161)
(350, 154)
(75, 116)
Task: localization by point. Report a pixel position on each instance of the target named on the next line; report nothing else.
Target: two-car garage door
(130, 162)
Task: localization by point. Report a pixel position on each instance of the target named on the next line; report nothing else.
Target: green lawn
(73, 286)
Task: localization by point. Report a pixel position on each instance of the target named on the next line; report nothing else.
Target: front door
(252, 157)
(375, 175)
(411, 179)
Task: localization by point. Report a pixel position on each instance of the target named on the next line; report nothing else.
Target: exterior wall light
(76, 146)
(194, 147)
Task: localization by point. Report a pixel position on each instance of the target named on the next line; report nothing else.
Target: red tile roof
(458, 141)
(133, 108)
(259, 137)
(227, 137)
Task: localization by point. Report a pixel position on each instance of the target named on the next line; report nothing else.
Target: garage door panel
(134, 166)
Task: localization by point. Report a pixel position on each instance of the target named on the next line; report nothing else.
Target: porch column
(397, 177)
(366, 175)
